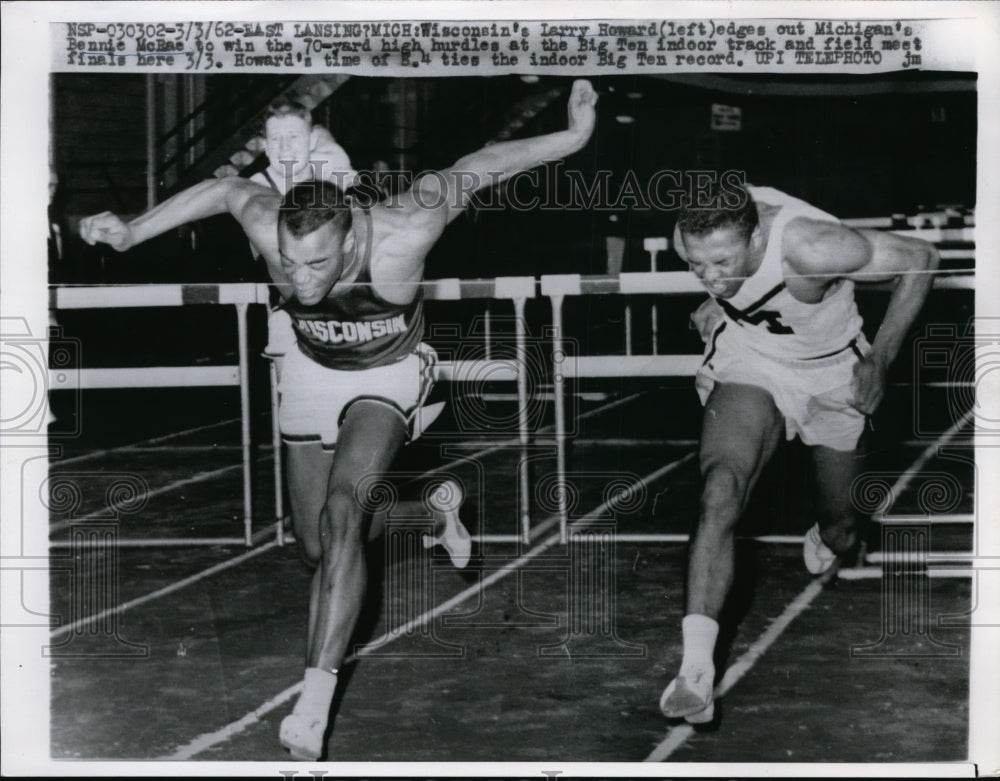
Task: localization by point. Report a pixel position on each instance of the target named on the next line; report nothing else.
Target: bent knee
(724, 493)
(341, 520)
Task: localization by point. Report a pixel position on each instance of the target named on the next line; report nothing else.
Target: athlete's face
(720, 259)
(289, 144)
(313, 263)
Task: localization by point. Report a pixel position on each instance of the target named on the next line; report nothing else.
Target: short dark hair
(726, 204)
(287, 107)
(310, 205)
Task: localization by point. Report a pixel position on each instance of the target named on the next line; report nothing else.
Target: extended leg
(740, 432)
(367, 444)
(368, 441)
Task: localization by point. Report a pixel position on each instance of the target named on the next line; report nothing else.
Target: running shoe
(302, 736)
(446, 499)
(817, 556)
(690, 696)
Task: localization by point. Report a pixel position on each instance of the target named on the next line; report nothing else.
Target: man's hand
(582, 116)
(706, 317)
(107, 228)
(450, 190)
(868, 385)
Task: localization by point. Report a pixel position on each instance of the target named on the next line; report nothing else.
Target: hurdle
(515, 289)
(241, 296)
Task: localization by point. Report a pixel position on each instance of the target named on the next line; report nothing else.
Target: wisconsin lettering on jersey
(336, 331)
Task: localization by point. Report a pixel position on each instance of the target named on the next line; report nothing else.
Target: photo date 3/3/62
(391, 376)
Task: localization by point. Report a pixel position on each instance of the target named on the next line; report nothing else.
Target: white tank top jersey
(763, 316)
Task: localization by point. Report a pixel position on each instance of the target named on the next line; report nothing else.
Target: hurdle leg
(906, 595)
(652, 246)
(654, 313)
(94, 564)
(522, 420)
(628, 329)
(488, 331)
(241, 324)
(409, 594)
(592, 629)
(558, 390)
(279, 499)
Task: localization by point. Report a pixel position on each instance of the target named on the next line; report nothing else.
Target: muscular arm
(908, 260)
(206, 199)
(818, 248)
(411, 223)
(446, 193)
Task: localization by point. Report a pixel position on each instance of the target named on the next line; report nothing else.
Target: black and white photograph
(500, 389)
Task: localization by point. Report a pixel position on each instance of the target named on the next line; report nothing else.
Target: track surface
(555, 655)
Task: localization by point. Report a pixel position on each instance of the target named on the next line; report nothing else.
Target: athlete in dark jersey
(308, 242)
(355, 346)
(781, 358)
(357, 329)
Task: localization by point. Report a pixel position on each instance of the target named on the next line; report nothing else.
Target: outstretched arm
(419, 216)
(206, 199)
(449, 190)
(870, 256)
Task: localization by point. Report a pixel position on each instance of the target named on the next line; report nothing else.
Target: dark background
(852, 145)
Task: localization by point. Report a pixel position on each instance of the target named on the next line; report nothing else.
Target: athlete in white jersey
(297, 150)
(771, 319)
(784, 353)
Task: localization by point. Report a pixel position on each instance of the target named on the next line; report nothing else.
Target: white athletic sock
(700, 633)
(317, 694)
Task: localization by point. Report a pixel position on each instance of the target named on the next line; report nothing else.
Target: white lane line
(923, 458)
(606, 407)
(61, 525)
(553, 520)
(199, 478)
(677, 736)
(970, 442)
(126, 448)
(629, 442)
(282, 697)
(163, 591)
(206, 448)
(212, 570)
(208, 740)
(167, 437)
(514, 441)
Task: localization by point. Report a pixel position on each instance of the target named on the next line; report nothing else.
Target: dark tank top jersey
(357, 329)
